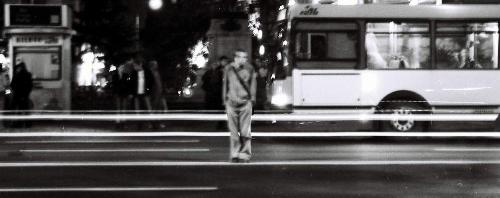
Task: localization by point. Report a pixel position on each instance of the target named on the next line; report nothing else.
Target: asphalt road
(281, 167)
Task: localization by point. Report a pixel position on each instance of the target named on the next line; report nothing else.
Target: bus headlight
(280, 100)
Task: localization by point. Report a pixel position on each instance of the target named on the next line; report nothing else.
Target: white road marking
(108, 189)
(98, 141)
(255, 163)
(257, 117)
(255, 134)
(110, 150)
(468, 149)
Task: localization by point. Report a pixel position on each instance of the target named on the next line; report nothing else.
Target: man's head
(19, 60)
(138, 66)
(240, 57)
(262, 71)
(153, 65)
(223, 60)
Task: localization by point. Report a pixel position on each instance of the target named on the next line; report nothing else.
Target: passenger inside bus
(375, 60)
(467, 60)
(398, 62)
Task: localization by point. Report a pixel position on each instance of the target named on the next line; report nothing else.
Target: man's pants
(142, 102)
(239, 120)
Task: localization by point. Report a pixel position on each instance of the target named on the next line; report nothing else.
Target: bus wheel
(403, 125)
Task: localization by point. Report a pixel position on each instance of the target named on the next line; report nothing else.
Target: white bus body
(368, 88)
(418, 31)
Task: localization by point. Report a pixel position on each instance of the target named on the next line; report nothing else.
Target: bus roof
(395, 11)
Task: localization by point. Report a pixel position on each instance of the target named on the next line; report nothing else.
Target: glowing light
(280, 100)
(291, 2)
(187, 92)
(262, 50)
(199, 54)
(155, 4)
(112, 68)
(364, 118)
(259, 34)
(254, 24)
(90, 67)
(278, 56)
(285, 43)
(85, 47)
(281, 14)
(88, 57)
(3, 60)
(347, 2)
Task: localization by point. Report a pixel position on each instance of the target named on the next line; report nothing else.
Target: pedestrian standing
(239, 88)
(22, 84)
(121, 87)
(212, 84)
(262, 81)
(158, 101)
(143, 84)
(4, 88)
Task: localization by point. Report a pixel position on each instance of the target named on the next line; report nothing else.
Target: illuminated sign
(37, 40)
(35, 15)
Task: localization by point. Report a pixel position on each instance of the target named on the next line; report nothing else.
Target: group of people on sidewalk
(137, 88)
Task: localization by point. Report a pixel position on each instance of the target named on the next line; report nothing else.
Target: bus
(392, 59)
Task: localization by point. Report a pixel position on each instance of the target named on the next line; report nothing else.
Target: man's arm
(224, 86)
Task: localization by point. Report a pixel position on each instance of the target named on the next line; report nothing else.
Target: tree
(268, 11)
(170, 32)
(109, 27)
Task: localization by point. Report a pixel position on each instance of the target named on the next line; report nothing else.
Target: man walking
(239, 88)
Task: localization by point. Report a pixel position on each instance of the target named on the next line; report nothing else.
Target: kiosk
(40, 36)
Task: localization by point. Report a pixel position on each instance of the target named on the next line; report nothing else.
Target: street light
(155, 4)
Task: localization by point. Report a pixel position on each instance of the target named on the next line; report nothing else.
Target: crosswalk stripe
(108, 189)
(111, 150)
(257, 163)
(255, 134)
(98, 141)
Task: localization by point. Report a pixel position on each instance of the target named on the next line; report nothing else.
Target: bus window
(466, 45)
(318, 46)
(326, 45)
(391, 45)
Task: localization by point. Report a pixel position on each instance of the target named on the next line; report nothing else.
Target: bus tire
(403, 108)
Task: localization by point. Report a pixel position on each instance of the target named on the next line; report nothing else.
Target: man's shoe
(245, 161)
(234, 160)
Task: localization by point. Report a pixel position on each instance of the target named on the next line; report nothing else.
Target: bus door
(326, 58)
